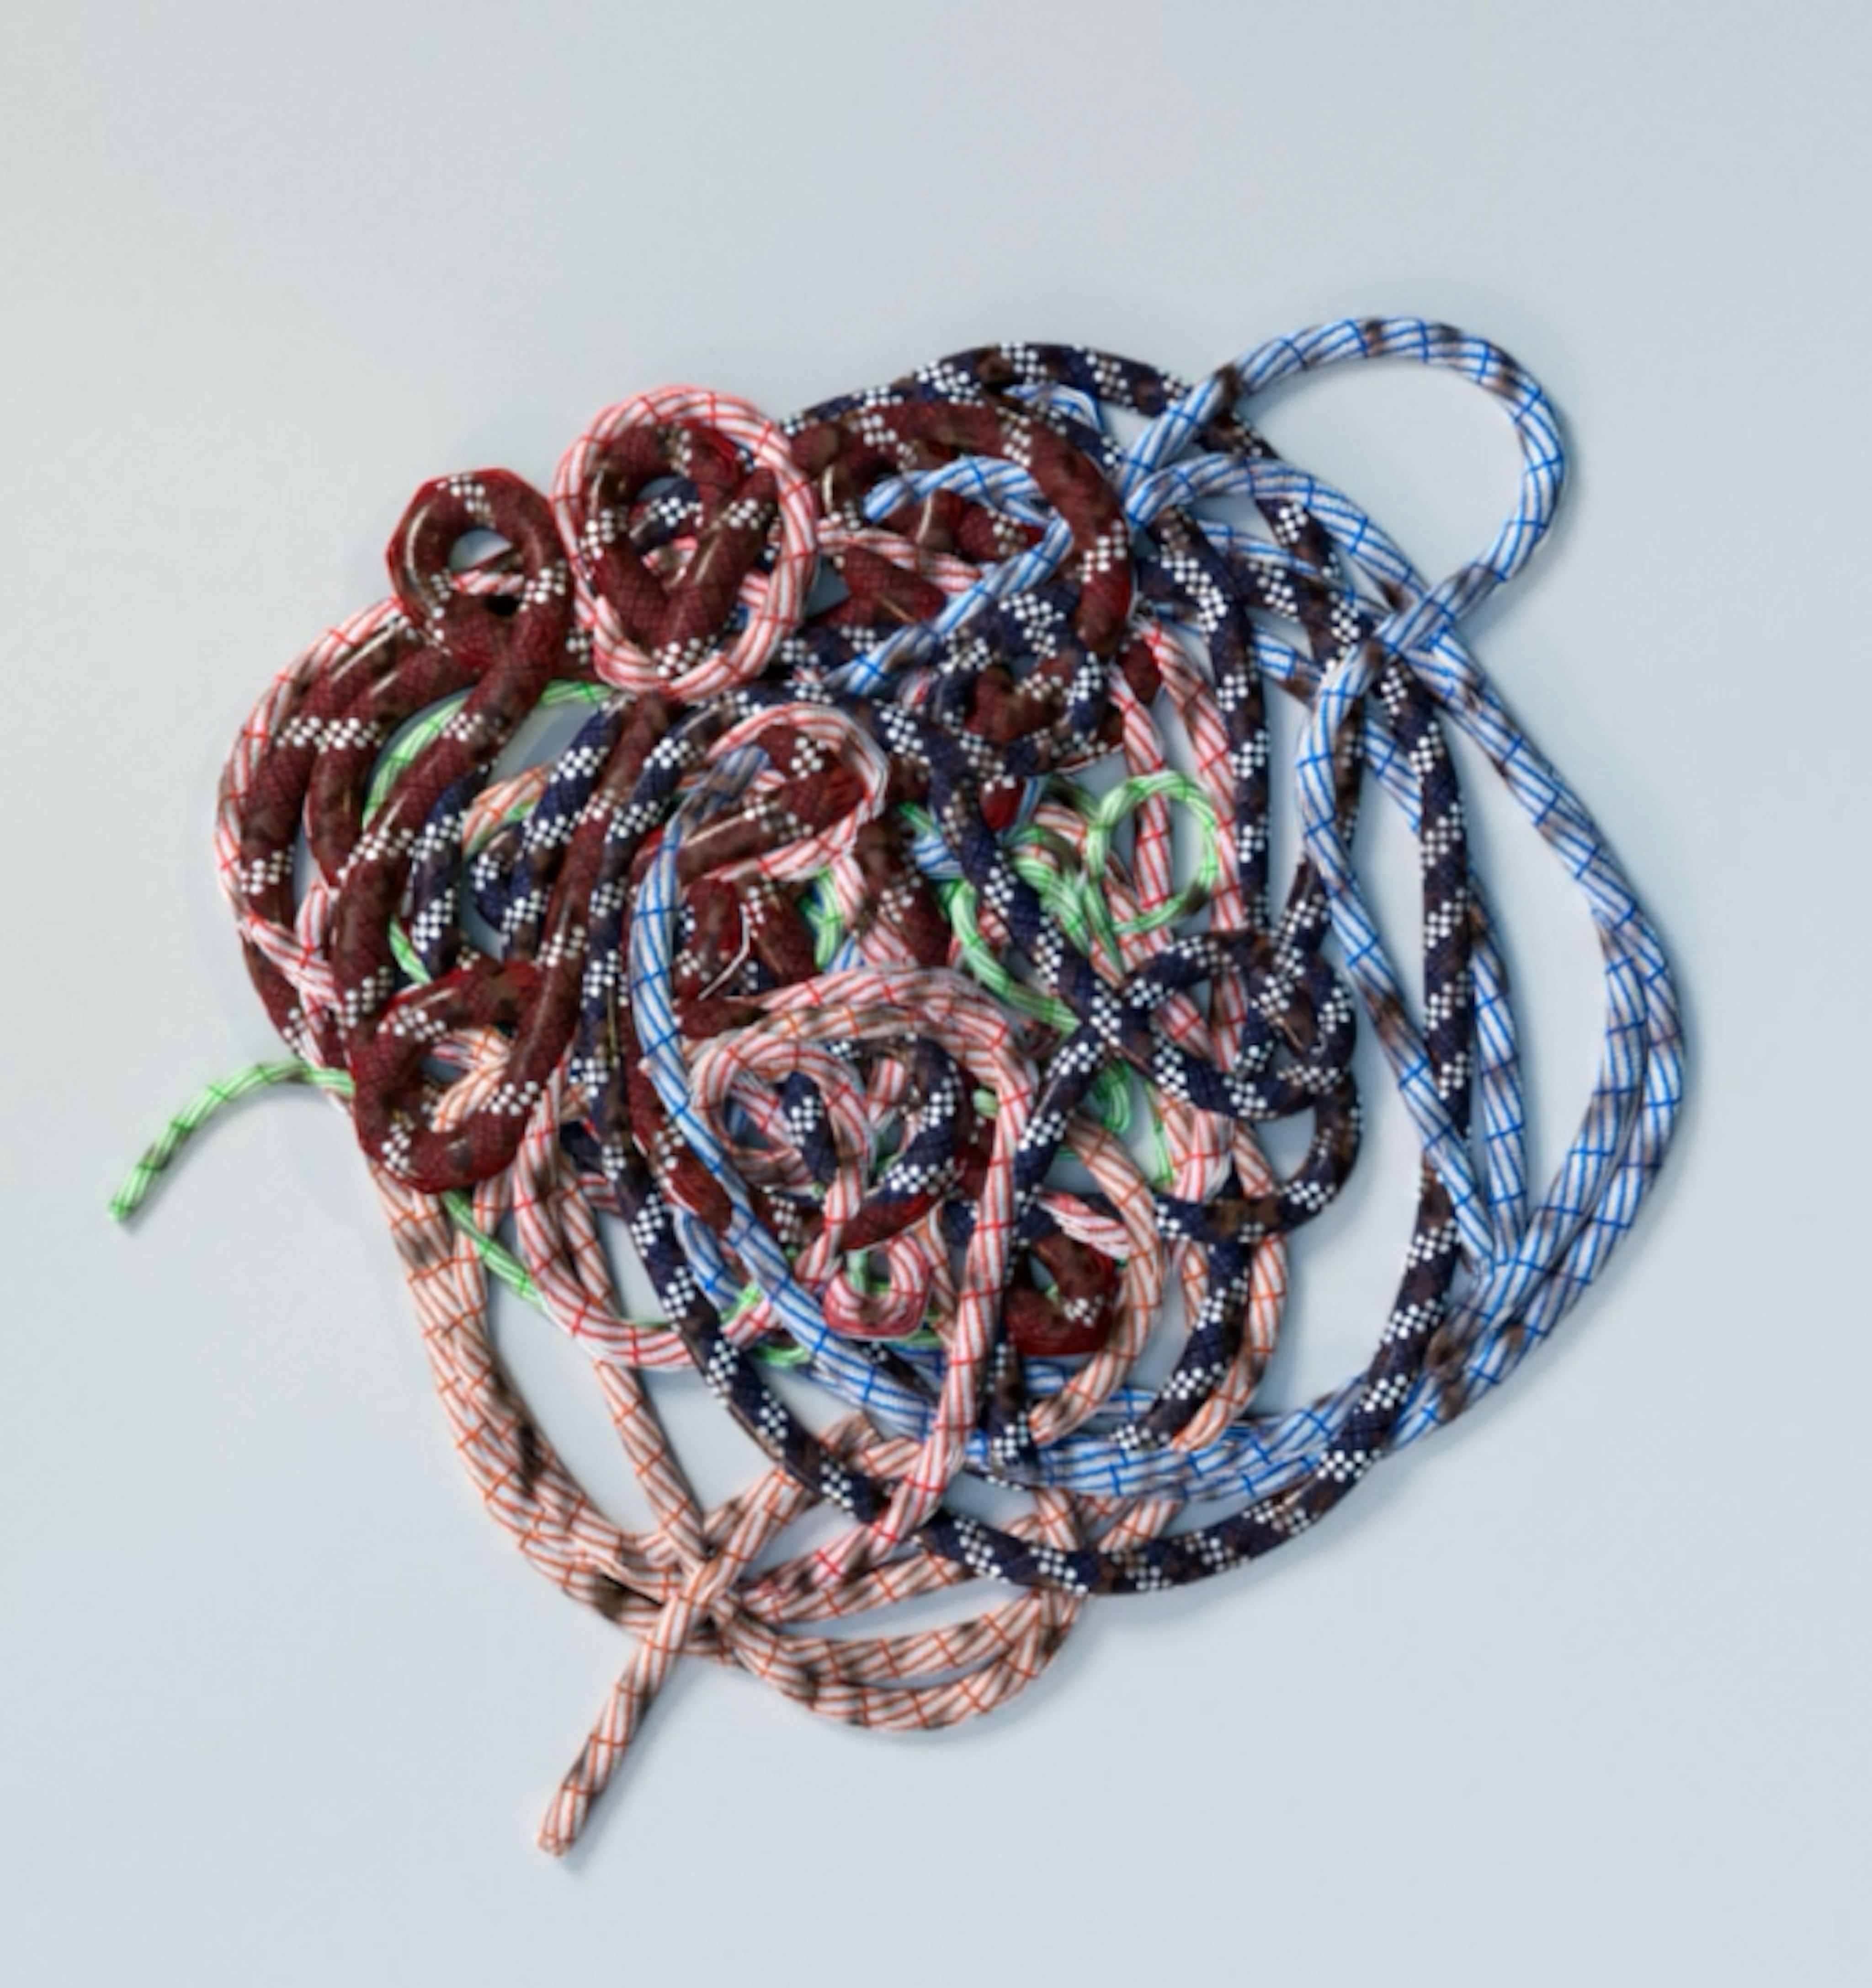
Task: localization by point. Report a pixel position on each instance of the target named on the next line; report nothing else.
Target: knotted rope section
(851, 967)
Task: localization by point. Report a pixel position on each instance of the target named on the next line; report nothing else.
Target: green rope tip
(212, 1099)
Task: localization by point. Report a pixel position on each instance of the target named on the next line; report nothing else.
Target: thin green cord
(1105, 818)
(821, 909)
(207, 1102)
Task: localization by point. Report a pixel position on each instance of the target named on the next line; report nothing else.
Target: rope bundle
(839, 968)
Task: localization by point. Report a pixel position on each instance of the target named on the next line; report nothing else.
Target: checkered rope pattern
(850, 969)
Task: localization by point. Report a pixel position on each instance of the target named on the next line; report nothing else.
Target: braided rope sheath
(839, 970)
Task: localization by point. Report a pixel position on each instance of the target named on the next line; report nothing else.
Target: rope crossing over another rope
(839, 968)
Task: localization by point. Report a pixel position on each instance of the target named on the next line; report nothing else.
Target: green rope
(822, 914)
(207, 1102)
(1111, 810)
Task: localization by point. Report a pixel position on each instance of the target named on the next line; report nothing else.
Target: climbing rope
(889, 961)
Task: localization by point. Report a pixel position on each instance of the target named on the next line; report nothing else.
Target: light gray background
(1573, 1694)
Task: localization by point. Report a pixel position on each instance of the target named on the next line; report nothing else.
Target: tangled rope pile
(839, 967)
